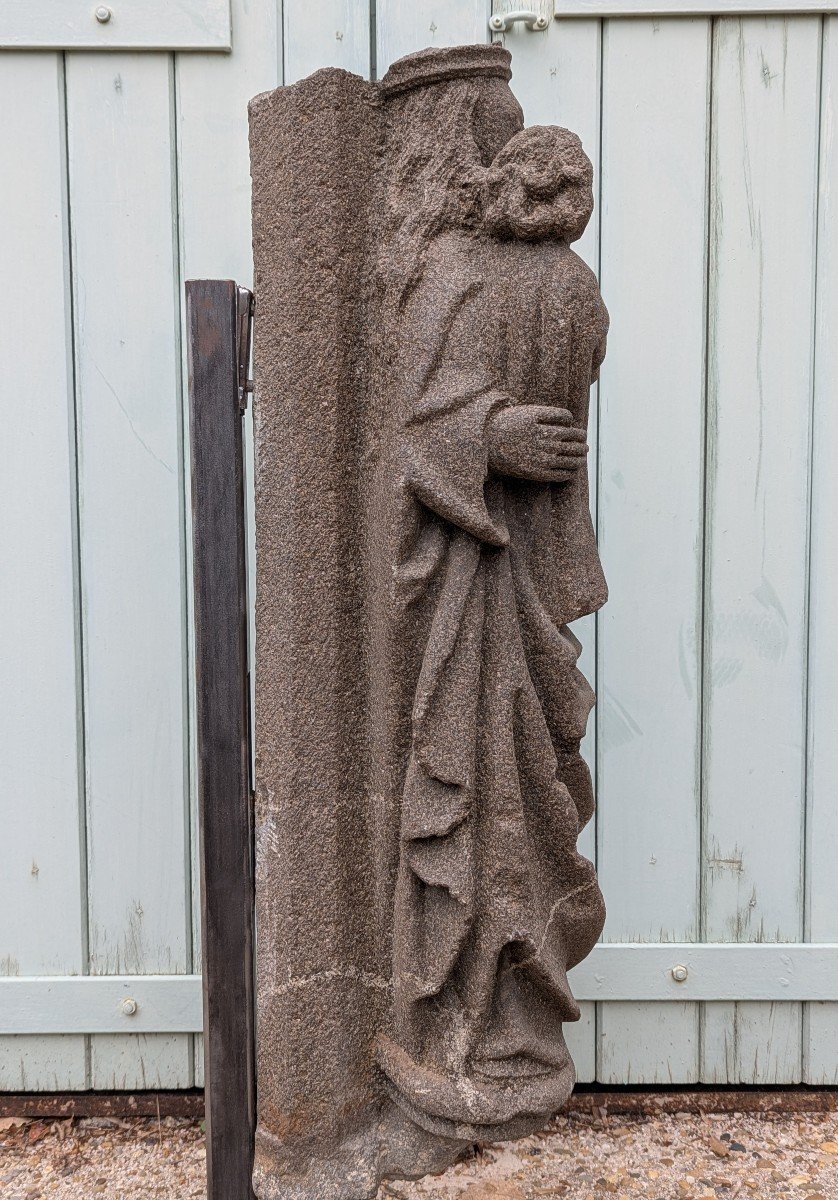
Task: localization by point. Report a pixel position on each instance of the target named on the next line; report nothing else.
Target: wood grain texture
(332, 33)
(40, 1106)
(131, 537)
(42, 905)
(678, 972)
(820, 1027)
(651, 478)
(214, 227)
(403, 28)
(688, 8)
(100, 1004)
(152, 25)
(221, 623)
(765, 116)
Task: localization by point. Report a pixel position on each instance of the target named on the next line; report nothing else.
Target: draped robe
(493, 903)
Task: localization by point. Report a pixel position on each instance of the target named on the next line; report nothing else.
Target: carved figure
(458, 548)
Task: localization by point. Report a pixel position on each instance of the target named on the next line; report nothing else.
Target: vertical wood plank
(214, 218)
(556, 77)
(654, 218)
(763, 204)
(221, 622)
(403, 28)
(820, 1029)
(213, 156)
(121, 170)
(42, 918)
(331, 33)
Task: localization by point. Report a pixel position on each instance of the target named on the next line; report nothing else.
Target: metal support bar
(218, 326)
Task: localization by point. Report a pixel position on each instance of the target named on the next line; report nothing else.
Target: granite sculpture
(425, 345)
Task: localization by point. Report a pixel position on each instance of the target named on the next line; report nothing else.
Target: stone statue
(425, 344)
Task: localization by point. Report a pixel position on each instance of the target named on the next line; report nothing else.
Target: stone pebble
(580, 1156)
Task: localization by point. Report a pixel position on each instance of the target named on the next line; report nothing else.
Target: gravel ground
(580, 1157)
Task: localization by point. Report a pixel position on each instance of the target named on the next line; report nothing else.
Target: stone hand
(534, 441)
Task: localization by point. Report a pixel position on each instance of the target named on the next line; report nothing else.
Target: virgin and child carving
(460, 482)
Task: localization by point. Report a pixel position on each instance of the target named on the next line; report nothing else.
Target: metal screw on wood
(502, 22)
(129, 1006)
(103, 14)
(679, 973)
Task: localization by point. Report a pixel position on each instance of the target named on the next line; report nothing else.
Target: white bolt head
(103, 14)
(129, 1006)
(541, 23)
(496, 22)
(679, 973)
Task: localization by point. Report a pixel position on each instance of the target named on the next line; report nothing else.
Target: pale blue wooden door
(715, 432)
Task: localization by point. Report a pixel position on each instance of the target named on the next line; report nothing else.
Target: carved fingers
(535, 441)
(561, 450)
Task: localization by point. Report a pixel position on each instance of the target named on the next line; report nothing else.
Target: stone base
(395, 1148)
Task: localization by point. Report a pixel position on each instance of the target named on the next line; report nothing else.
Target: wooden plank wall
(654, 221)
(715, 431)
(43, 914)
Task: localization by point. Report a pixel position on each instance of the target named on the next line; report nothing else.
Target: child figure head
(539, 186)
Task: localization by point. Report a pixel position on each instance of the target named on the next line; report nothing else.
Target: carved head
(540, 185)
(448, 112)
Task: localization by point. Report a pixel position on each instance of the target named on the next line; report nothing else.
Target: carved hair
(540, 185)
(435, 178)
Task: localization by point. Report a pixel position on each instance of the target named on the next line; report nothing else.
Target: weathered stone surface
(425, 345)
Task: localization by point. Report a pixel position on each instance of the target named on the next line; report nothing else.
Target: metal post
(218, 330)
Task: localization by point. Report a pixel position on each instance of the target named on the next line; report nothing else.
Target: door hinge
(244, 339)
